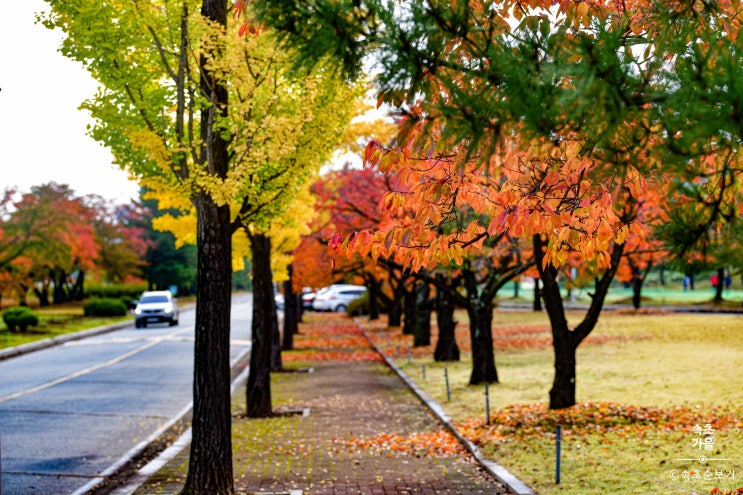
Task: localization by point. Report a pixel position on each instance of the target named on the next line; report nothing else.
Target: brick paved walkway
(346, 445)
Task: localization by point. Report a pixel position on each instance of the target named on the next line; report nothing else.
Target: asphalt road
(73, 412)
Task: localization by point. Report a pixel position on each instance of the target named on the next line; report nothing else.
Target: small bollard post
(424, 371)
(448, 390)
(409, 356)
(487, 404)
(558, 437)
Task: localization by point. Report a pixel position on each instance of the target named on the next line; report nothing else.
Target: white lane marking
(165, 456)
(93, 368)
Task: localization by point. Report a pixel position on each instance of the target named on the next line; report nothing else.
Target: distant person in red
(715, 280)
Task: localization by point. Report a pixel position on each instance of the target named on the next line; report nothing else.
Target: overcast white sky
(42, 133)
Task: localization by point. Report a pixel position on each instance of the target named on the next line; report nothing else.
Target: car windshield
(153, 299)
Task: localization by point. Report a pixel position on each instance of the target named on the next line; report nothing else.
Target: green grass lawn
(55, 321)
(646, 379)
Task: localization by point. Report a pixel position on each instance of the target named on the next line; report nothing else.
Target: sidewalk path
(365, 433)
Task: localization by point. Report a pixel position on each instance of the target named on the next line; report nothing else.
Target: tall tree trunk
(373, 285)
(446, 346)
(537, 295)
(566, 341)
(409, 317)
(480, 311)
(42, 293)
(394, 305)
(394, 312)
(422, 328)
(23, 292)
(77, 293)
(562, 393)
(636, 287)
(258, 391)
(291, 312)
(210, 465)
(59, 292)
(481, 336)
(276, 364)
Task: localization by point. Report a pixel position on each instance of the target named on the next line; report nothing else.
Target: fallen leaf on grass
(525, 420)
(435, 444)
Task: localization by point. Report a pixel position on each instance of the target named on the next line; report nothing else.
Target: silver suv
(336, 297)
(156, 307)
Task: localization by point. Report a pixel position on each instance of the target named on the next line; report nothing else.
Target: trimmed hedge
(116, 291)
(105, 307)
(20, 318)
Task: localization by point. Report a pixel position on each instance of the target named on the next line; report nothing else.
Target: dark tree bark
(59, 292)
(77, 292)
(394, 304)
(23, 294)
(636, 288)
(480, 311)
(210, 465)
(394, 312)
(291, 313)
(276, 364)
(422, 328)
(537, 295)
(409, 317)
(42, 293)
(446, 345)
(564, 340)
(258, 391)
(638, 281)
(373, 285)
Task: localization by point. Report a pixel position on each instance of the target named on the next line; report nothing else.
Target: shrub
(359, 306)
(105, 307)
(20, 317)
(114, 291)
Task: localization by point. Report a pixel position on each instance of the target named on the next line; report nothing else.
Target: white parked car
(336, 297)
(156, 307)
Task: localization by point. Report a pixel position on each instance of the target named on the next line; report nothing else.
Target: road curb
(508, 479)
(20, 350)
(181, 443)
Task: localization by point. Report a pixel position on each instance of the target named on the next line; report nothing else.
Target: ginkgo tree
(162, 110)
(174, 108)
(284, 128)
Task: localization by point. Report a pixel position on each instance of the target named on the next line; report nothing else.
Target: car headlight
(137, 311)
(168, 309)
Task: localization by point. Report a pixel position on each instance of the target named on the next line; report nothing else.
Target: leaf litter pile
(528, 420)
(505, 338)
(341, 340)
(331, 338)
